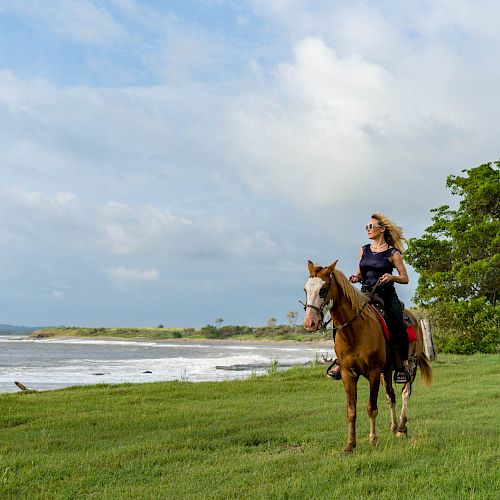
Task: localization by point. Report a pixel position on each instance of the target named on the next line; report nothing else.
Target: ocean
(44, 364)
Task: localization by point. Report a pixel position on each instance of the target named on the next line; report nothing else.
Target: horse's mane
(353, 295)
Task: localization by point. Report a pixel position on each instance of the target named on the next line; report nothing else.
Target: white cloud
(58, 294)
(125, 276)
(220, 174)
(34, 218)
(305, 137)
(37, 201)
(130, 230)
(328, 128)
(77, 20)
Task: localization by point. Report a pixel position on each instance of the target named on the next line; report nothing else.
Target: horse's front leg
(390, 396)
(373, 404)
(351, 389)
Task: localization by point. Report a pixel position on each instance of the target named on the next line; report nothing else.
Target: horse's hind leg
(373, 404)
(390, 396)
(402, 429)
(403, 419)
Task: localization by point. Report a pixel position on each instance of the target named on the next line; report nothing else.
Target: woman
(376, 264)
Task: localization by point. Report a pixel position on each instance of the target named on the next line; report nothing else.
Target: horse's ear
(310, 265)
(331, 267)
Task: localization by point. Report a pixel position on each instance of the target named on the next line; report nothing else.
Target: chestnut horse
(360, 346)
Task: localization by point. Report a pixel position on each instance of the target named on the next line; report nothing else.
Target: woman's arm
(399, 264)
(356, 278)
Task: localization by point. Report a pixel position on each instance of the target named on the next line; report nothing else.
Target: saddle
(378, 304)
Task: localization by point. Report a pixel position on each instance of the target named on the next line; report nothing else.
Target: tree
(271, 322)
(292, 317)
(219, 322)
(458, 259)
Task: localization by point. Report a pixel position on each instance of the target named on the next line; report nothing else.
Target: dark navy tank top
(375, 264)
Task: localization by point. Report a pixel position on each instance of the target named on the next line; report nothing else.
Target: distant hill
(18, 330)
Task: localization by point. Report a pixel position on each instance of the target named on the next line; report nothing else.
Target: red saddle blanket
(410, 329)
(387, 333)
(412, 333)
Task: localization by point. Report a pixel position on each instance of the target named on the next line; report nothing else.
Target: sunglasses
(371, 226)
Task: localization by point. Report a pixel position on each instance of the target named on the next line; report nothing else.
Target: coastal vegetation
(272, 436)
(271, 333)
(458, 261)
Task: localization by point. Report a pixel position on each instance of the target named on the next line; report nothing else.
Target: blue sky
(175, 162)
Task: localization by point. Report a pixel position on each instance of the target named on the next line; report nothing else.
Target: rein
(347, 323)
(370, 295)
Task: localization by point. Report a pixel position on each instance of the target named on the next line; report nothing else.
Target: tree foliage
(458, 259)
(292, 317)
(271, 321)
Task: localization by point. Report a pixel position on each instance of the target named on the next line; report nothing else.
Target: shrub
(466, 327)
(210, 331)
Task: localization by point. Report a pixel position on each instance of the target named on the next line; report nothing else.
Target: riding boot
(396, 359)
(402, 376)
(401, 372)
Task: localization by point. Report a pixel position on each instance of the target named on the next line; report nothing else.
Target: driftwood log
(22, 387)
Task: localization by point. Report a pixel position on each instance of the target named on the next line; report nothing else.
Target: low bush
(466, 327)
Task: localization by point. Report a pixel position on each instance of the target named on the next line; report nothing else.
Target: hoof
(401, 433)
(373, 441)
(394, 429)
(349, 449)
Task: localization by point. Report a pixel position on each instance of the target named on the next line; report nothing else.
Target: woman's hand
(386, 278)
(354, 278)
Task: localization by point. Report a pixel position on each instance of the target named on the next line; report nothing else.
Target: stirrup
(335, 376)
(402, 376)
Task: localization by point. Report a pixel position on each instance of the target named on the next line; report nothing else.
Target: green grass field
(276, 436)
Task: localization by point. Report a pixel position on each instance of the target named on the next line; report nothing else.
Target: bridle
(320, 310)
(322, 325)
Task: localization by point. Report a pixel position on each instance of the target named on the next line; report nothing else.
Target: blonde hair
(393, 234)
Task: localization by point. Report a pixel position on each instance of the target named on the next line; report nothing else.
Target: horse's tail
(424, 364)
(423, 361)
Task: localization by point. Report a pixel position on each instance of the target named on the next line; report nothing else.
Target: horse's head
(318, 295)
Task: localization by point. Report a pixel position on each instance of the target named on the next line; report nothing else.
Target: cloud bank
(174, 165)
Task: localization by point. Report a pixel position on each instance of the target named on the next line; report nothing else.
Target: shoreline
(59, 361)
(319, 344)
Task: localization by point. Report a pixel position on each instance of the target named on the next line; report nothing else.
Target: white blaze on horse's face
(312, 288)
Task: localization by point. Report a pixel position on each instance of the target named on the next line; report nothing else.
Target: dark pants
(394, 317)
(396, 324)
